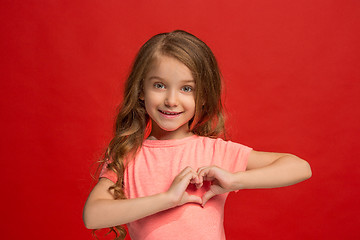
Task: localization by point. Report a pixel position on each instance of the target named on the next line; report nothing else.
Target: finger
(185, 171)
(201, 168)
(209, 194)
(200, 173)
(198, 185)
(204, 170)
(178, 187)
(195, 180)
(205, 174)
(188, 178)
(194, 199)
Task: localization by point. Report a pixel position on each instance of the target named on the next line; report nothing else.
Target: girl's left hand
(221, 181)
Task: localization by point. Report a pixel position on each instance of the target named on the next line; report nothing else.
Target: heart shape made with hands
(202, 185)
(206, 190)
(193, 189)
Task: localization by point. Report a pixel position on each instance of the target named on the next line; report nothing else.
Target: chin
(168, 128)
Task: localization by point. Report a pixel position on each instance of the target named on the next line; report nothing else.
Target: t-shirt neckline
(168, 143)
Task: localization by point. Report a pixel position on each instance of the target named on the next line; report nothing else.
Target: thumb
(194, 199)
(209, 194)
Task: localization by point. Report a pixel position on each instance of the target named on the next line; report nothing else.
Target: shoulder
(219, 142)
(226, 154)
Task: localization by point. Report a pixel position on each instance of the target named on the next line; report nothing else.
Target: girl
(173, 182)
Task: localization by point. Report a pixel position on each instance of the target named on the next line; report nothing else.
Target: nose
(171, 99)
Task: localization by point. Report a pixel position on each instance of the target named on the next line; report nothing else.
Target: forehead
(169, 68)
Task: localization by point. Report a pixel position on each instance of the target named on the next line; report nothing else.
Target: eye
(159, 85)
(187, 89)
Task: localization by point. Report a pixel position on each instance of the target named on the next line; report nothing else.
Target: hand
(177, 190)
(220, 178)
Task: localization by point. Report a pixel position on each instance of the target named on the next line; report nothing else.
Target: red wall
(291, 70)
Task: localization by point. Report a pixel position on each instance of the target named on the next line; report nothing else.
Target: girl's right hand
(177, 191)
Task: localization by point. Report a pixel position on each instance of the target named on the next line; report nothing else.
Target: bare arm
(264, 170)
(102, 210)
(270, 170)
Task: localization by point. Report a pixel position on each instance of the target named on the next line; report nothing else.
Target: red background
(291, 70)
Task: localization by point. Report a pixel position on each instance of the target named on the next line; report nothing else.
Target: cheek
(190, 104)
(151, 99)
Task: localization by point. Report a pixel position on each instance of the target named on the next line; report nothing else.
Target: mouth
(170, 113)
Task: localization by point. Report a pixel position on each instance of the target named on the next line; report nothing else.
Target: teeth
(167, 113)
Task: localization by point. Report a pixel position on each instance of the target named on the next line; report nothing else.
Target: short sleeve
(107, 173)
(240, 155)
(232, 156)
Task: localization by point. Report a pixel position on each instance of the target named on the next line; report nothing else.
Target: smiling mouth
(170, 113)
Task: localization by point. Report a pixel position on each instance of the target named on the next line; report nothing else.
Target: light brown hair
(132, 121)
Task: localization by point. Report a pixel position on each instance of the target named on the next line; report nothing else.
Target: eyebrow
(162, 79)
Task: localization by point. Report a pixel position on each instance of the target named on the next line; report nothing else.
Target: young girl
(173, 182)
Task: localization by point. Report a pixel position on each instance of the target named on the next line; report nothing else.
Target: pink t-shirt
(153, 170)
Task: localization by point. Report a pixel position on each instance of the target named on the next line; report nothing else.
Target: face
(169, 96)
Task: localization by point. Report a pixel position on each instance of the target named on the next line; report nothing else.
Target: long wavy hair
(132, 121)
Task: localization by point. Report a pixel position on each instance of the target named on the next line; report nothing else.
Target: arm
(264, 170)
(270, 170)
(102, 210)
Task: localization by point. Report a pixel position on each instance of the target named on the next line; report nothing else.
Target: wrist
(238, 181)
(169, 200)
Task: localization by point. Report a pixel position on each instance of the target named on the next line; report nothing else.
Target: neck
(160, 134)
